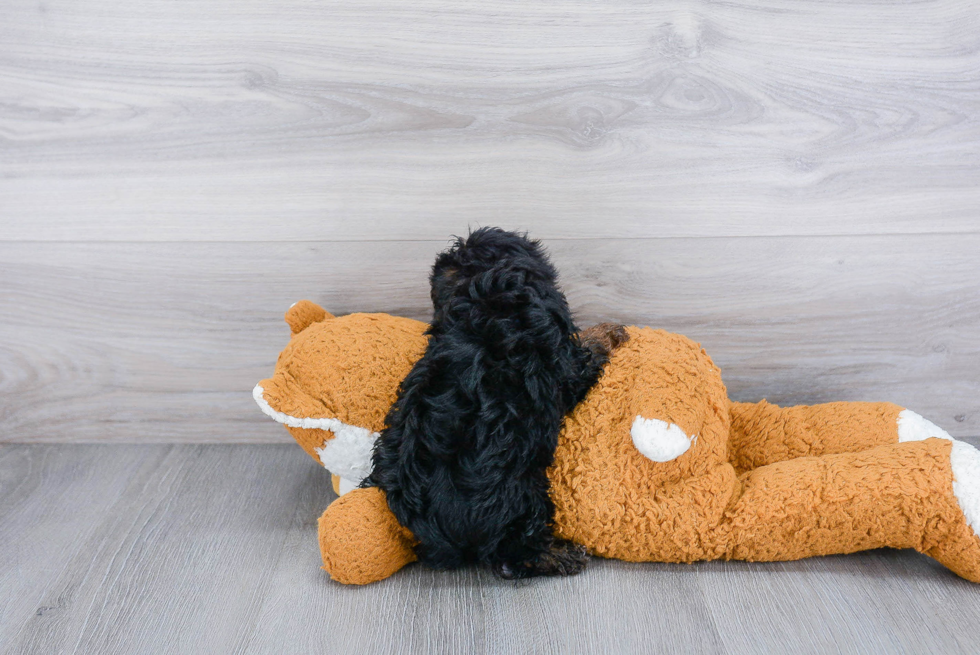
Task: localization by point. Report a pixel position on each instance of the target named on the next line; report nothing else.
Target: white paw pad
(964, 459)
(912, 427)
(659, 440)
(349, 454)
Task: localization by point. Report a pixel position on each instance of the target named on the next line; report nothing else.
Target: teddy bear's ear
(304, 313)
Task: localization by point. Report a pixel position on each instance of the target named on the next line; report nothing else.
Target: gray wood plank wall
(795, 184)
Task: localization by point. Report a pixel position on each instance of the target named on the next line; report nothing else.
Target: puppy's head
(487, 248)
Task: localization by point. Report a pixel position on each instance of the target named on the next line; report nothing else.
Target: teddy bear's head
(334, 382)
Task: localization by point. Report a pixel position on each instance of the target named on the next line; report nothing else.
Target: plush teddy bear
(655, 465)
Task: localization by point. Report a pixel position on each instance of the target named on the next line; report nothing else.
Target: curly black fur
(463, 456)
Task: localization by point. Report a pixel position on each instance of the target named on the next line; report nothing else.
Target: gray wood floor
(212, 548)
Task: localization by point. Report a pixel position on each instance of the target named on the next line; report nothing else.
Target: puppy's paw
(564, 558)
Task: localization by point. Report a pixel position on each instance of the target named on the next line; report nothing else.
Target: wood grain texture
(51, 506)
(164, 341)
(171, 549)
(380, 120)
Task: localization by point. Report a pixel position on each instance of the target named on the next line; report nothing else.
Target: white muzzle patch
(348, 454)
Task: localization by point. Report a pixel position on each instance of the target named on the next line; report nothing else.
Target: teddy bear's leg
(763, 433)
(921, 494)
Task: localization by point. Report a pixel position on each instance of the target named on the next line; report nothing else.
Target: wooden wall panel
(795, 184)
(373, 120)
(164, 341)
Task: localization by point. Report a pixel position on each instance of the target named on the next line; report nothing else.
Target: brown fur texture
(762, 433)
(759, 482)
(329, 363)
(361, 541)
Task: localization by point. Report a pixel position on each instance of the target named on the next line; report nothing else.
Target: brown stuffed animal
(655, 465)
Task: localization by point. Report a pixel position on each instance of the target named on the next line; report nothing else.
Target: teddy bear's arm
(763, 433)
(361, 541)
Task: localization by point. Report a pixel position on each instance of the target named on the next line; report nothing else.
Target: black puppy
(463, 456)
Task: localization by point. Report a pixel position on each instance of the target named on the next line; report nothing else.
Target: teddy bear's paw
(912, 427)
(964, 460)
(659, 440)
(959, 547)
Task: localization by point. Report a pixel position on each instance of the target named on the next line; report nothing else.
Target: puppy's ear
(303, 314)
(443, 283)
